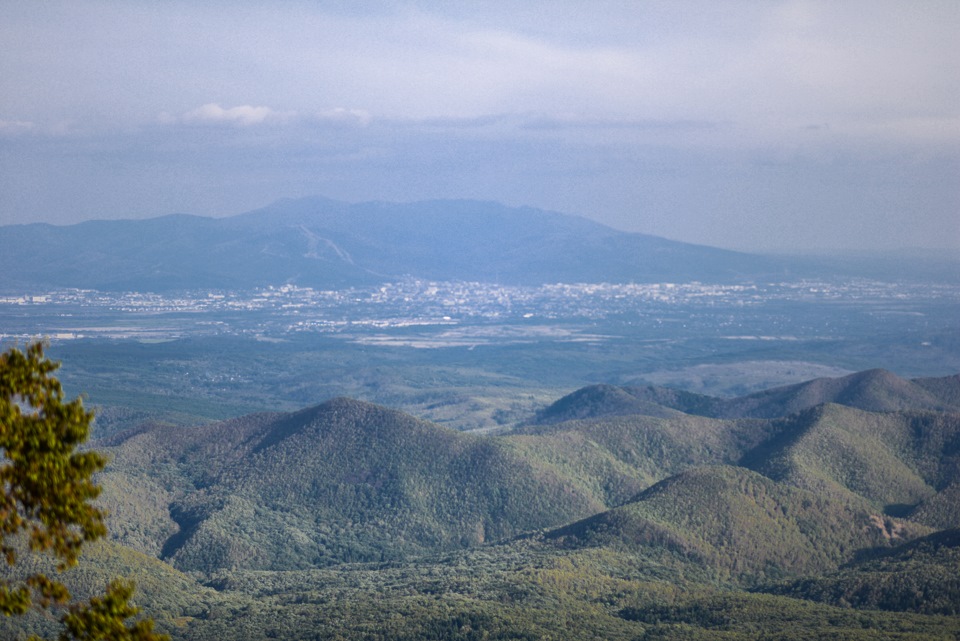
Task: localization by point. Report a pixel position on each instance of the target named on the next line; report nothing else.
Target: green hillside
(345, 481)
(350, 481)
(921, 576)
(646, 448)
(597, 401)
(895, 460)
(740, 524)
(872, 390)
(172, 598)
(941, 510)
(351, 521)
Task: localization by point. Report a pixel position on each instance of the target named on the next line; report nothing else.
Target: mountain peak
(468, 240)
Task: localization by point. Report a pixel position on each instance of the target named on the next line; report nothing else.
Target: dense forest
(824, 509)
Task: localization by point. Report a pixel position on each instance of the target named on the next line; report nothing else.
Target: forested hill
(352, 481)
(344, 481)
(351, 520)
(323, 243)
(873, 390)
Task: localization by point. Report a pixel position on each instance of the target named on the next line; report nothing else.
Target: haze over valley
(405, 324)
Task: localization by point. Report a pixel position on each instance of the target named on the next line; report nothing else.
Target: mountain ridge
(675, 524)
(349, 480)
(344, 480)
(740, 522)
(873, 390)
(319, 242)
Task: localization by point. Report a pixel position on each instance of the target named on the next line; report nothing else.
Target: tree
(46, 495)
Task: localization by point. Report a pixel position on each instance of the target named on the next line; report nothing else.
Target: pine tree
(46, 500)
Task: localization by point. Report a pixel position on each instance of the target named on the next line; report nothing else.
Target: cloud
(343, 116)
(248, 116)
(678, 118)
(548, 122)
(771, 68)
(243, 115)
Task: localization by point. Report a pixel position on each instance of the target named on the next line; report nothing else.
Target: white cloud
(769, 67)
(243, 115)
(649, 102)
(344, 116)
(247, 116)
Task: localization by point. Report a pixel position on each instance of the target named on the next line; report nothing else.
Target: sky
(774, 126)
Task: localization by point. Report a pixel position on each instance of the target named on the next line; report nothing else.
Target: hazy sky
(750, 125)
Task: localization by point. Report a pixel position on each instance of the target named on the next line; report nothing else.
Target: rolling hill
(872, 390)
(896, 460)
(739, 524)
(352, 481)
(920, 576)
(342, 481)
(903, 462)
(633, 519)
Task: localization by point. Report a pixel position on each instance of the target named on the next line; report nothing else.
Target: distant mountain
(323, 243)
(873, 390)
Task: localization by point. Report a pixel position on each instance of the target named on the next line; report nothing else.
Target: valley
(475, 356)
(490, 321)
(334, 443)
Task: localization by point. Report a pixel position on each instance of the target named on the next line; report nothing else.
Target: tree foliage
(46, 499)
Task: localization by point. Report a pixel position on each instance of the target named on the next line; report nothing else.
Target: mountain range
(613, 513)
(352, 481)
(323, 243)
(874, 390)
